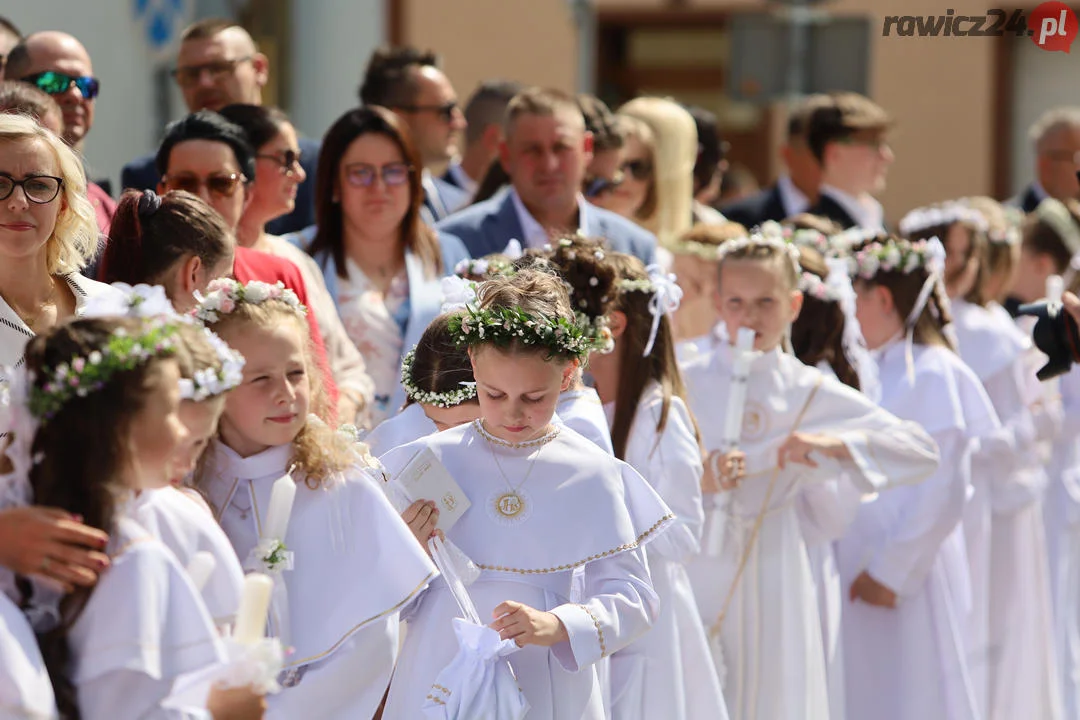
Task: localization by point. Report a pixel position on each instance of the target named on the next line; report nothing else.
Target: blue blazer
(488, 226)
(141, 174)
(425, 293)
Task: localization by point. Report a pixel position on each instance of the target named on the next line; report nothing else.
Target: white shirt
(865, 211)
(536, 236)
(791, 197)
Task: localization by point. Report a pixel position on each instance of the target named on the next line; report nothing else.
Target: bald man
(1056, 136)
(59, 64)
(218, 64)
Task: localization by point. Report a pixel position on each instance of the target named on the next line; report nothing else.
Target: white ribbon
(666, 297)
(935, 266)
(139, 301)
(853, 343)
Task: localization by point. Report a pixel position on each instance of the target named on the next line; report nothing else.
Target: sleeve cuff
(870, 477)
(586, 635)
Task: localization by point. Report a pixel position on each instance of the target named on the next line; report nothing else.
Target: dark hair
(416, 236)
(260, 124)
(84, 452)
(206, 125)
(636, 370)
(26, 99)
(150, 234)
(590, 279)
(487, 106)
(18, 61)
(800, 116)
(836, 121)
(494, 180)
(439, 365)
(207, 28)
(976, 248)
(711, 147)
(389, 79)
(600, 121)
(905, 288)
(818, 333)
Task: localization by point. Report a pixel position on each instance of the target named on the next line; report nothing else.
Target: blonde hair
(674, 155)
(318, 450)
(74, 239)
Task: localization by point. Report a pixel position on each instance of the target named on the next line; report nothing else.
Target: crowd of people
(507, 413)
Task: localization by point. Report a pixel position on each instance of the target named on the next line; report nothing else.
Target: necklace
(239, 508)
(542, 440)
(31, 318)
(513, 505)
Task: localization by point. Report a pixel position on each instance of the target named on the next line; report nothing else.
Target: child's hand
(798, 446)
(723, 471)
(871, 592)
(51, 543)
(528, 626)
(235, 704)
(421, 517)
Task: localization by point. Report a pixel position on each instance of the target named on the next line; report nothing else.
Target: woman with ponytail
(188, 244)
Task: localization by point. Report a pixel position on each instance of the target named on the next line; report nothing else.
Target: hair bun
(149, 203)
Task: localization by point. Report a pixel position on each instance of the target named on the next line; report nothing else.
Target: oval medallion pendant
(509, 507)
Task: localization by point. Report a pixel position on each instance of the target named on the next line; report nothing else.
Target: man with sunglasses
(60, 66)
(848, 138)
(218, 64)
(410, 83)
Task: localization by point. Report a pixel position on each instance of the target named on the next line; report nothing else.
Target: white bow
(666, 297)
(513, 250)
(935, 267)
(140, 301)
(457, 293)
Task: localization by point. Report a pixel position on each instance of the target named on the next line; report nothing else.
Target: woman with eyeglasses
(382, 265)
(278, 174)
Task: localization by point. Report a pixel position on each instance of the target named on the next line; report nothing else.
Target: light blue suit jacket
(488, 226)
(425, 293)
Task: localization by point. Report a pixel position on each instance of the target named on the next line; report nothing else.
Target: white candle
(281, 502)
(201, 568)
(254, 603)
(740, 373)
(1055, 287)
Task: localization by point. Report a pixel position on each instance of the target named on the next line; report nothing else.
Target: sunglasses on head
(363, 174)
(638, 169)
(220, 185)
(56, 83)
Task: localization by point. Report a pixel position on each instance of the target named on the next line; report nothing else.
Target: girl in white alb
(555, 525)
(669, 672)
(107, 395)
(905, 630)
(343, 562)
(808, 442)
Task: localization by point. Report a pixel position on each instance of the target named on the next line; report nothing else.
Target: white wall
(1042, 80)
(331, 43)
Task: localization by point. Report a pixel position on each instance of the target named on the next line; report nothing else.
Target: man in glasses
(848, 138)
(218, 64)
(410, 83)
(545, 152)
(58, 64)
(1056, 136)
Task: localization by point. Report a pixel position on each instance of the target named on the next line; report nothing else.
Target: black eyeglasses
(189, 75)
(57, 83)
(38, 189)
(220, 185)
(364, 174)
(638, 169)
(288, 161)
(445, 112)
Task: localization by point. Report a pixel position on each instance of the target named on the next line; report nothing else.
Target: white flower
(257, 292)
(892, 258)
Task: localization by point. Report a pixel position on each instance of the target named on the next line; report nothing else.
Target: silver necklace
(513, 504)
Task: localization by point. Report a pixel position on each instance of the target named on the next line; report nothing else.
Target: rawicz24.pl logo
(1051, 25)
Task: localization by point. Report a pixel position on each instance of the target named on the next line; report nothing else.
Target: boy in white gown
(903, 559)
(756, 593)
(555, 524)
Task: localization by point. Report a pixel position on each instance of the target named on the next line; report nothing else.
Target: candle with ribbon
(254, 604)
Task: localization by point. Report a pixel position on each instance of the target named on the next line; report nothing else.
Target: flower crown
(224, 294)
(944, 214)
(211, 382)
(445, 399)
(765, 236)
(83, 375)
(897, 255)
(482, 268)
(502, 326)
(810, 284)
(704, 251)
